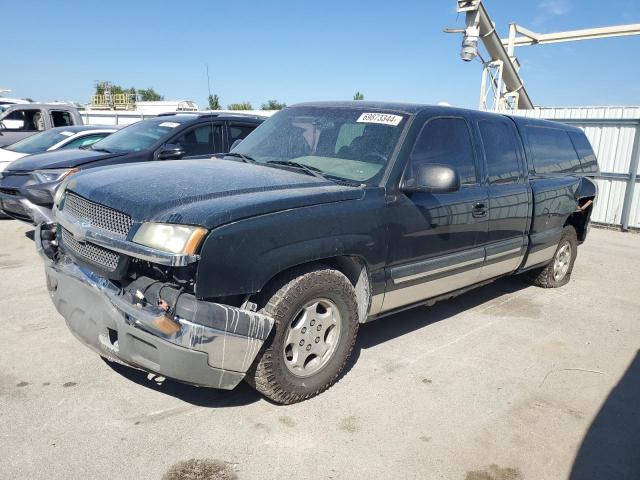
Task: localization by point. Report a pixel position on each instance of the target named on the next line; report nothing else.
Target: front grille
(93, 253)
(97, 215)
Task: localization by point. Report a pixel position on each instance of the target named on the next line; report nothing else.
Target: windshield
(345, 143)
(39, 142)
(136, 137)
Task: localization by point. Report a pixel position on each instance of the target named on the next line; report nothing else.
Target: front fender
(241, 257)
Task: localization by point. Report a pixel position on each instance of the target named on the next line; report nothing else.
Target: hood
(204, 192)
(59, 159)
(9, 156)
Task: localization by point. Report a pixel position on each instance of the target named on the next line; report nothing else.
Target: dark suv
(262, 265)
(27, 185)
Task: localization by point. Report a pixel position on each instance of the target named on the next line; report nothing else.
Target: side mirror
(433, 178)
(235, 143)
(171, 151)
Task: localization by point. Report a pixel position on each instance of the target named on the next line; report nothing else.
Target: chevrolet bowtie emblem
(80, 232)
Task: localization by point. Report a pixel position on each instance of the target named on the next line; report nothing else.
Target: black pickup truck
(261, 265)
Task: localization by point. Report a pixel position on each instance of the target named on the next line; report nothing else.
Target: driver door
(437, 239)
(203, 139)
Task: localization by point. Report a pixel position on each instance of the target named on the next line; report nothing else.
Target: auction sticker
(382, 118)
(169, 124)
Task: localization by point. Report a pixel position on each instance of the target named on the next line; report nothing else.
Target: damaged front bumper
(16, 206)
(215, 352)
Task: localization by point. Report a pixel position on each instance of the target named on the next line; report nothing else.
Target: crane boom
(500, 78)
(533, 38)
(478, 20)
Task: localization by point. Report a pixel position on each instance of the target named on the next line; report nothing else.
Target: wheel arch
(585, 196)
(353, 267)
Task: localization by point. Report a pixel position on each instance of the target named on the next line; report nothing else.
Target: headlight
(170, 238)
(57, 198)
(53, 175)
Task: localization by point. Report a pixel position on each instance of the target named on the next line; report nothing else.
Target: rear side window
(552, 150)
(60, 118)
(239, 132)
(85, 140)
(446, 141)
(348, 133)
(501, 151)
(588, 160)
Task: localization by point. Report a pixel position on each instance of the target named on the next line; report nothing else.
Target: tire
(546, 277)
(284, 370)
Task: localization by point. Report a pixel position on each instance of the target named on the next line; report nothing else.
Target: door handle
(479, 210)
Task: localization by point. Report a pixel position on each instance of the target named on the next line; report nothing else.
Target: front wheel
(558, 272)
(316, 324)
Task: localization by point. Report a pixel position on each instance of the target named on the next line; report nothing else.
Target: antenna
(210, 118)
(208, 80)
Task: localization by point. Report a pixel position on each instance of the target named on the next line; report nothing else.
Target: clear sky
(295, 50)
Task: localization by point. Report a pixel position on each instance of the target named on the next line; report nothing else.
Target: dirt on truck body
(261, 265)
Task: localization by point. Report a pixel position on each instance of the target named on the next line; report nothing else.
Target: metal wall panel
(634, 217)
(614, 133)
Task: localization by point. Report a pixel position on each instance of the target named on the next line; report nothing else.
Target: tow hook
(48, 240)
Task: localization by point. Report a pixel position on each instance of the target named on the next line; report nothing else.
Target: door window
(24, 121)
(501, 152)
(61, 118)
(201, 140)
(446, 141)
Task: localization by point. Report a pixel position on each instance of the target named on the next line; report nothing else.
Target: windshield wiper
(313, 171)
(241, 156)
(100, 149)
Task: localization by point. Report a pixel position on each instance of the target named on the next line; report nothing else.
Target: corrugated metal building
(614, 133)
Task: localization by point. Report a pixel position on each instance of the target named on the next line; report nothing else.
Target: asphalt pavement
(507, 382)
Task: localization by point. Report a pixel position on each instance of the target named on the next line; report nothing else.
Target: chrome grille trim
(97, 215)
(97, 236)
(87, 251)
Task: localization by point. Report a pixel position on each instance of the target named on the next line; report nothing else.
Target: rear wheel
(316, 323)
(558, 272)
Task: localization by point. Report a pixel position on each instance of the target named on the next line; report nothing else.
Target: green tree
(149, 95)
(273, 105)
(214, 102)
(358, 96)
(146, 94)
(240, 106)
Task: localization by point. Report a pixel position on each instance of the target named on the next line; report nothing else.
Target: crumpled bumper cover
(20, 208)
(103, 318)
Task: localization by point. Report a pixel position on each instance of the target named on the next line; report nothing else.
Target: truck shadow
(370, 335)
(611, 447)
(402, 323)
(243, 394)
